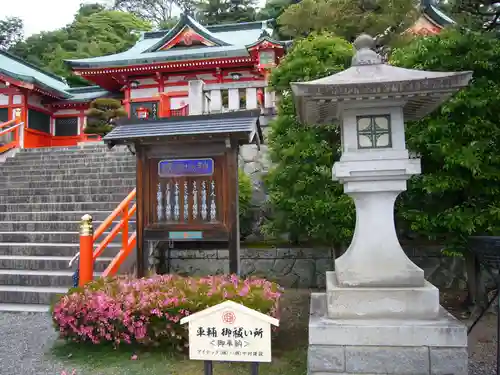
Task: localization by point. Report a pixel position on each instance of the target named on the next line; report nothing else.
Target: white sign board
(230, 332)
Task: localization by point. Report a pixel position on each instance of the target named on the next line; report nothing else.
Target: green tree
(94, 32)
(102, 114)
(305, 200)
(478, 15)
(272, 10)
(348, 18)
(458, 192)
(11, 31)
(158, 12)
(213, 12)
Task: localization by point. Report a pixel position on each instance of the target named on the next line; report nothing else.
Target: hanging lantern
(142, 113)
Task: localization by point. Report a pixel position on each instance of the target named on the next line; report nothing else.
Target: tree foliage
(213, 12)
(458, 193)
(158, 12)
(11, 31)
(348, 18)
(476, 14)
(94, 32)
(102, 114)
(306, 202)
(272, 10)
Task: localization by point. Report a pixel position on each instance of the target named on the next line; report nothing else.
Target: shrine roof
(434, 14)
(18, 69)
(216, 41)
(126, 58)
(88, 93)
(246, 123)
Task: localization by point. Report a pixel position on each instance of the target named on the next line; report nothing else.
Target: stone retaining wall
(306, 267)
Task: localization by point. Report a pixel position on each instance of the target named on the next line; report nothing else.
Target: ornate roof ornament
(365, 54)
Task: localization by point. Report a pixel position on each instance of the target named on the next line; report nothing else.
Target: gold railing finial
(86, 227)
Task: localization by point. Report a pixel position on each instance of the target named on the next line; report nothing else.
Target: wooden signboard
(230, 332)
(187, 178)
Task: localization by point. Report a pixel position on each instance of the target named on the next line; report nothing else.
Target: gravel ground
(26, 338)
(482, 347)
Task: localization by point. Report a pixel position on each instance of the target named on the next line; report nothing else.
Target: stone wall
(305, 267)
(255, 163)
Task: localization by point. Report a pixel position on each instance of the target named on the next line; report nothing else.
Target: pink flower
(147, 311)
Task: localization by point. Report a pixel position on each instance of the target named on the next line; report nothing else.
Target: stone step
(62, 198)
(37, 295)
(50, 249)
(99, 169)
(71, 156)
(121, 190)
(49, 237)
(109, 163)
(47, 226)
(64, 149)
(130, 182)
(53, 215)
(24, 308)
(70, 149)
(67, 163)
(75, 206)
(38, 278)
(74, 178)
(48, 263)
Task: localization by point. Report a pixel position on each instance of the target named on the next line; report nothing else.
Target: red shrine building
(152, 78)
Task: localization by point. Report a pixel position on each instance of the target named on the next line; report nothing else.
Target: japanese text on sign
(230, 333)
(186, 167)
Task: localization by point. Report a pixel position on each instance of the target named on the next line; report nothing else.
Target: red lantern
(142, 113)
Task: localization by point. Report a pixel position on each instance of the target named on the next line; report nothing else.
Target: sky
(43, 15)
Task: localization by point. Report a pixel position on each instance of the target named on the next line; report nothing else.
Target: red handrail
(10, 122)
(16, 122)
(87, 240)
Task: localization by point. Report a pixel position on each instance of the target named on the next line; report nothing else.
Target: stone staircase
(43, 195)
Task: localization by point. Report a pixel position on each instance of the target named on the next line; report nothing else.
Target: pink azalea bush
(148, 311)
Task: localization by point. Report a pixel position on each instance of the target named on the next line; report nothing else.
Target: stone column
(375, 257)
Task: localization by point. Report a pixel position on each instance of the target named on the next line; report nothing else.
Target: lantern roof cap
(370, 79)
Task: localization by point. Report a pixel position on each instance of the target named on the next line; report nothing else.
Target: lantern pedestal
(379, 315)
(385, 346)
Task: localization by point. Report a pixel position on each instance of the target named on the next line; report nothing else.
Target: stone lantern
(379, 315)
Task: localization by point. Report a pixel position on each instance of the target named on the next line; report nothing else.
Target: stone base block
(368, 303)
(385, 346)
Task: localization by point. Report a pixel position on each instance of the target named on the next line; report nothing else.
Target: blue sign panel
(185, 235)
(186, 167)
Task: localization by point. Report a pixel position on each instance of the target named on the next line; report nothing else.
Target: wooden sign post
(230, 332)
(187, 179)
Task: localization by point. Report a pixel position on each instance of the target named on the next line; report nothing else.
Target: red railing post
(17, 134)
(86, 267)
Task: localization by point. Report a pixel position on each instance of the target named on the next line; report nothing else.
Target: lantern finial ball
(364, 41)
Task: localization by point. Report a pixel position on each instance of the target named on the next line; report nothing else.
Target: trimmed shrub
(148, 311)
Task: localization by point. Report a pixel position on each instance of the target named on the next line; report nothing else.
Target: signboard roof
(231, 305)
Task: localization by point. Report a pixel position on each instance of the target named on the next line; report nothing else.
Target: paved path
(25, 338)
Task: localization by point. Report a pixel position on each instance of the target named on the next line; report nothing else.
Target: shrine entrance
(187, 179)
